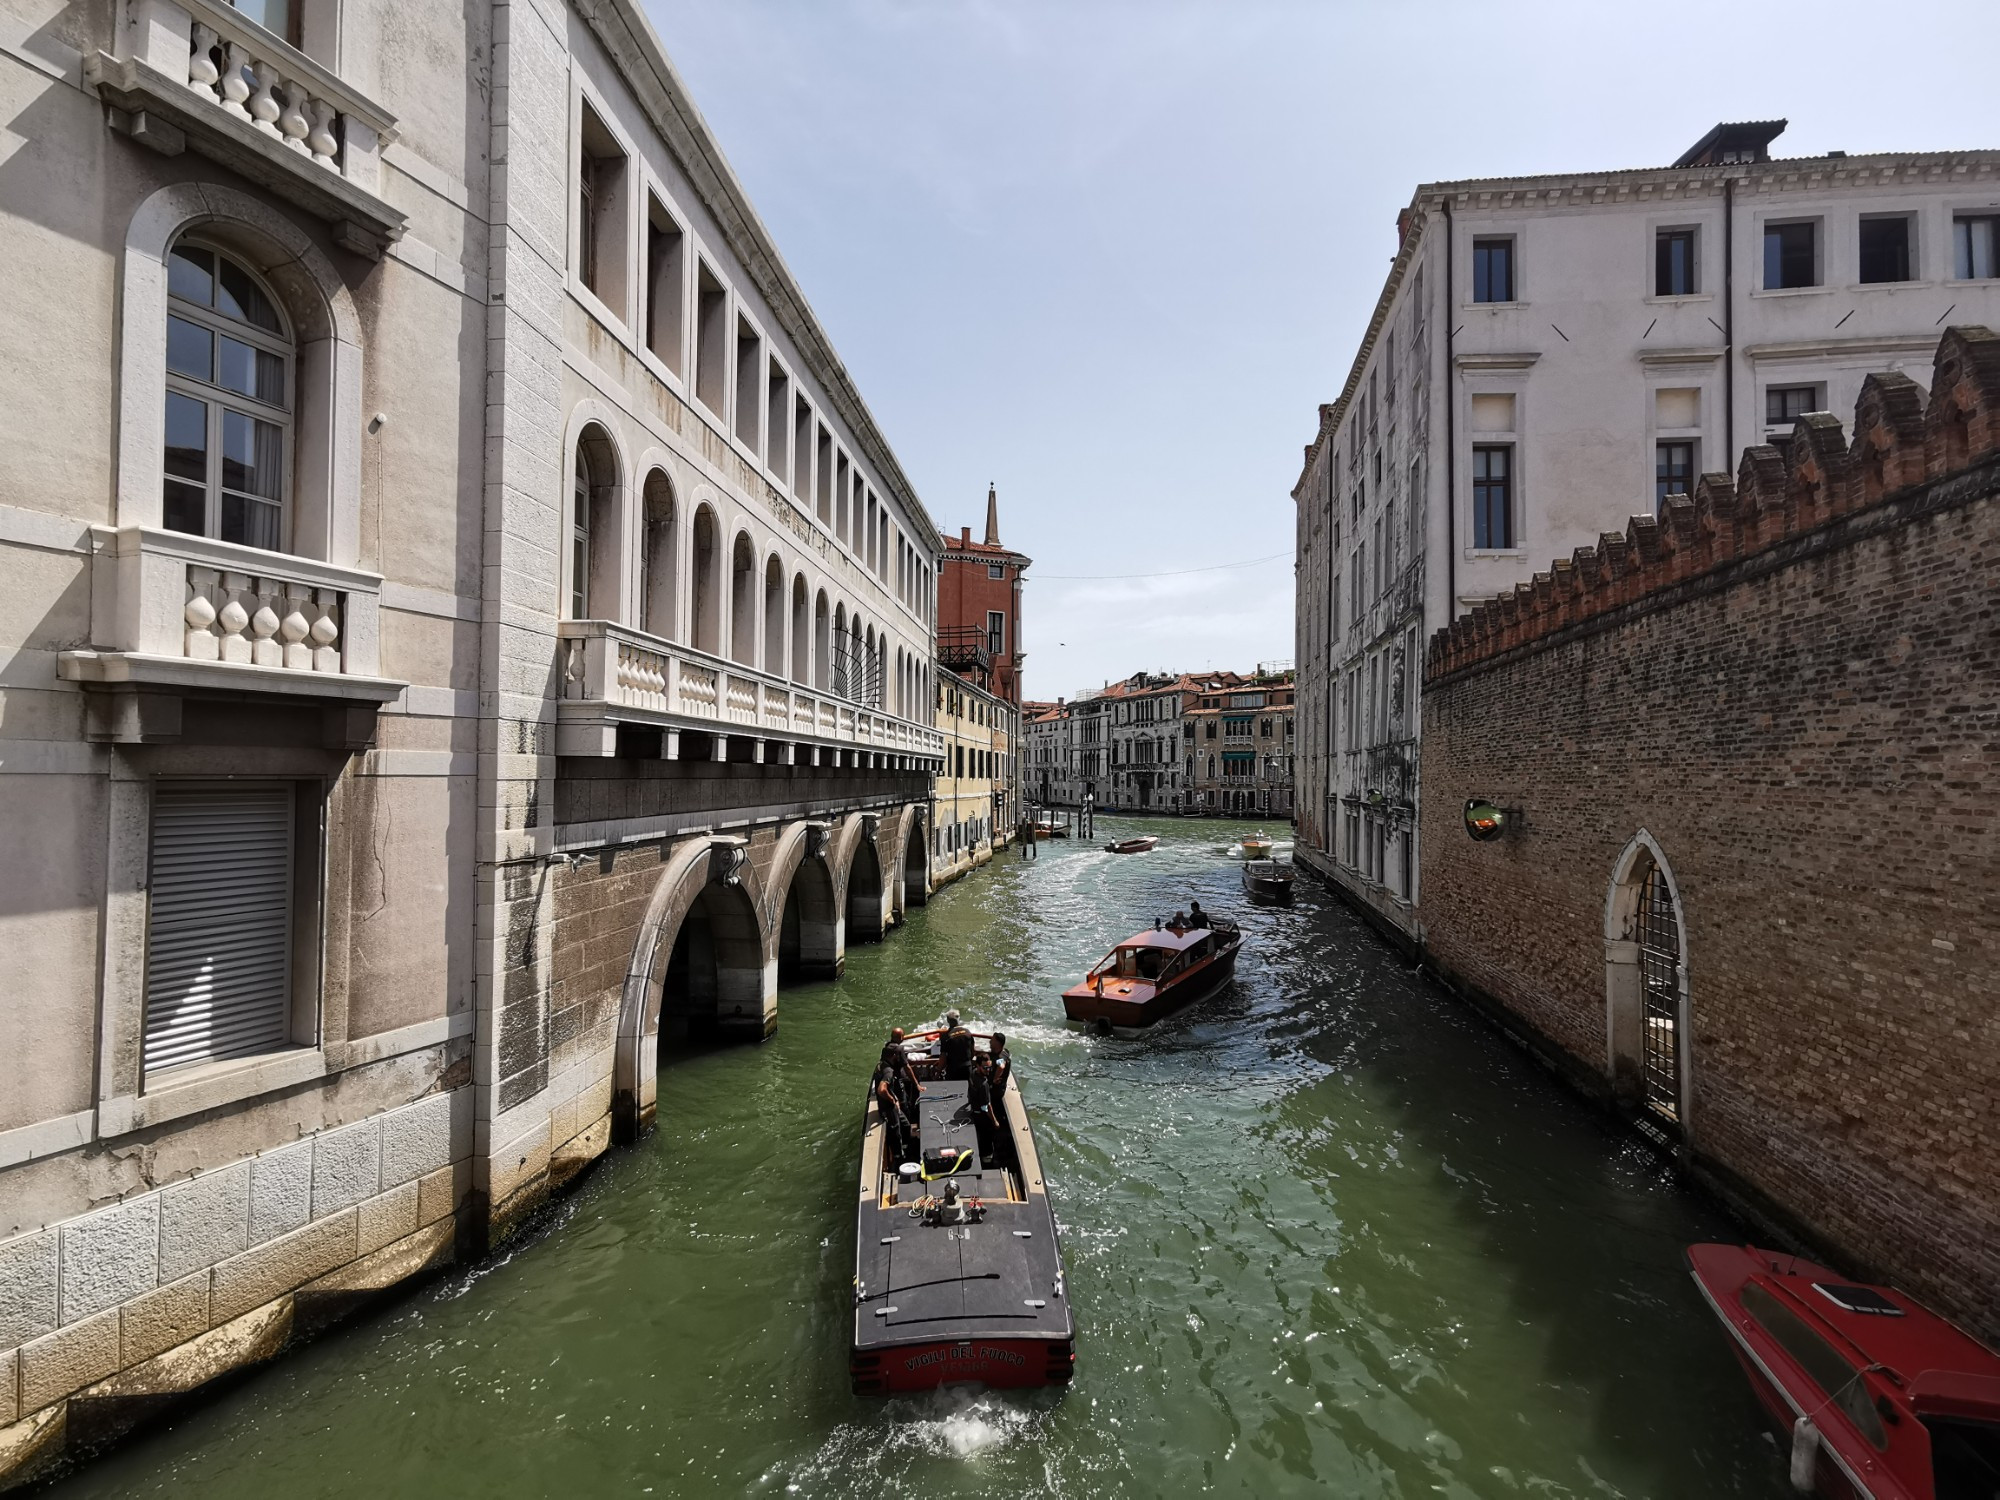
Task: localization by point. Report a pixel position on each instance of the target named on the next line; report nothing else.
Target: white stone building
(456, 610)
(1552, 354)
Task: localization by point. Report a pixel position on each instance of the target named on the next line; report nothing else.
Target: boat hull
(1270, 887)
(997, 1363)
(1130, 1017)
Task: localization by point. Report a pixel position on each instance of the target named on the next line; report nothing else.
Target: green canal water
(1325, 1235)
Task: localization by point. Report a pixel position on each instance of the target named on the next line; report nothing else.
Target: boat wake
(912, 1432)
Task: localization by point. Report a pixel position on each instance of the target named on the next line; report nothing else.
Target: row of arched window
(695, 585)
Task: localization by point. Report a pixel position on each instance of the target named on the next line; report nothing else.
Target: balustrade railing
(612, 674)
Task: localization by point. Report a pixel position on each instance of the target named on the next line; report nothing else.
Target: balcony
(614, 675)
(174, 615)
(197, 74)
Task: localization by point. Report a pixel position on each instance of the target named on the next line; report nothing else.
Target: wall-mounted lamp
(1486, 821)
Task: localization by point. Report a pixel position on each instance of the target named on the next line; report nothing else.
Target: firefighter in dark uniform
(1001, 1065)
(902, 1138)
(957, 1048)
(979, 1104)
(897, 1061)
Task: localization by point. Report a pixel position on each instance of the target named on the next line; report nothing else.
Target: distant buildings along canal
(465, 622)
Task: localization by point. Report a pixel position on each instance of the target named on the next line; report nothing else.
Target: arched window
(801, 633)
(822, 671)
(230, 369)
(774, 617)
(659, 560)
(594, 585)
(743, 601)
(707, 583)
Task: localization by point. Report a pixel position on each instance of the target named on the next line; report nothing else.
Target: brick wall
(1792, 685)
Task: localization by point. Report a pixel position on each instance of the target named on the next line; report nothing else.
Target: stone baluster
(325, 632)
(292, 630)
(320, 139)
(202, 642)
(264, 651)
(264, 107)
(202, 71)
(292, 116)
(234, 84)
(234, 617)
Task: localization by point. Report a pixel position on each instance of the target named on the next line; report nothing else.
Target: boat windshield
(1965, 1458)
(1133, 963)
(1825, 1365)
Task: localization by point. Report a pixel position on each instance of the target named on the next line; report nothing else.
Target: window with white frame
(229, 416)
(1976, 246)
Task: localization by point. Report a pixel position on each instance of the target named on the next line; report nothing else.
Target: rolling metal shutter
(218, 943)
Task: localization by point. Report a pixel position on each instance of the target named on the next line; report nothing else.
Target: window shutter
(218, 943)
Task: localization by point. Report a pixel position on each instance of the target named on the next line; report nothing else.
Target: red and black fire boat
(1877, 1397)
(958, 1278)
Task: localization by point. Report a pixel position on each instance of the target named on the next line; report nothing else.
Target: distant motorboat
(1268, 881)
(1131, 846)
(1257, 846)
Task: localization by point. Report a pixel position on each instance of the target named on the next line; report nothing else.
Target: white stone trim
(46, 1138)
(326, 465)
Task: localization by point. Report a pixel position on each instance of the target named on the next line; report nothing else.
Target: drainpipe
(1729, 321)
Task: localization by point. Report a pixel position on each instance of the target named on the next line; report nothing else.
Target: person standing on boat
(979, 1104)
(897, 1061)
(1196, 916)
(901, 1137)
(1001, 1064)
(957, 1048)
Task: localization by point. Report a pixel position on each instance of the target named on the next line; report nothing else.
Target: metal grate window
(1659, 932)
(218, 938)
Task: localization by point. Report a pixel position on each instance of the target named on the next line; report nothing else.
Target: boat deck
(999, 1278)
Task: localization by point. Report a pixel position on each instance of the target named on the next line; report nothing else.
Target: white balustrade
(255, 88)
(642, 677)
(700, 690)
(260, 621)
(742, 700)
(776, 709)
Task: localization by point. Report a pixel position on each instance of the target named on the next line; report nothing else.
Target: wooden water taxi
(1875, 1395)
(1131, 846)
(958, 1279)
(1257, 846)
(1268, 881)
(1153, 974)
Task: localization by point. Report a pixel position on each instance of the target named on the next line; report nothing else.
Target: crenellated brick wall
(1786, 694)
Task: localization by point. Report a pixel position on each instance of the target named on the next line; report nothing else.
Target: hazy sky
(1111, 255)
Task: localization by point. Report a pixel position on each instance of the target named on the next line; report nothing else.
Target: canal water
(1327, 1234)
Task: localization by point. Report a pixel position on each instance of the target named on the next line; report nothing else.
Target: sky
(1110, 256)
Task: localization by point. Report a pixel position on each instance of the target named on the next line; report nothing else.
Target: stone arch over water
(703, 958)
(808, 921)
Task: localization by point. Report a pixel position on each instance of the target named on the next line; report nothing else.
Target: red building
(979, 608)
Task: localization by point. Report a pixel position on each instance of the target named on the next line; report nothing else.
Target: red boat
(1131, 846)
(1878, 1396)
(1152, 974)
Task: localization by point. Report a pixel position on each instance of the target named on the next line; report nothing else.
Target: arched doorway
(743, 601)
(659, 560)
(809, 936)
(1646, 989)
(867, 903)
(707, 583)
(916, 864)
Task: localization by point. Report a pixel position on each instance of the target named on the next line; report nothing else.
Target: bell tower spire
(992, 516)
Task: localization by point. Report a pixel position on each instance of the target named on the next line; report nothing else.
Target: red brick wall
(966, 593)
(1808, 733)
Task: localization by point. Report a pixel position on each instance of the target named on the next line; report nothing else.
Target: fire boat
(1878, 1397)
(958, 1278)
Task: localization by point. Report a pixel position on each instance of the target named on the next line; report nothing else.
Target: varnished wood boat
(1257, 847)
(1267, 881)
(1131, 846)
(1875, 1395)
(958, 1278)
(1154, 974)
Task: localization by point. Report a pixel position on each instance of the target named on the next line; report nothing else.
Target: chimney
(992, 516)
(965, 536)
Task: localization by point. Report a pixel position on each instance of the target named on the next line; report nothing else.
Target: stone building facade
(459, 620)
(1743, 753)
(1550, 355)
(1238, 745)
(976, 799)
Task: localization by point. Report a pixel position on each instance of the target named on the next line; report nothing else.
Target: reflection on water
(1326, 1235)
